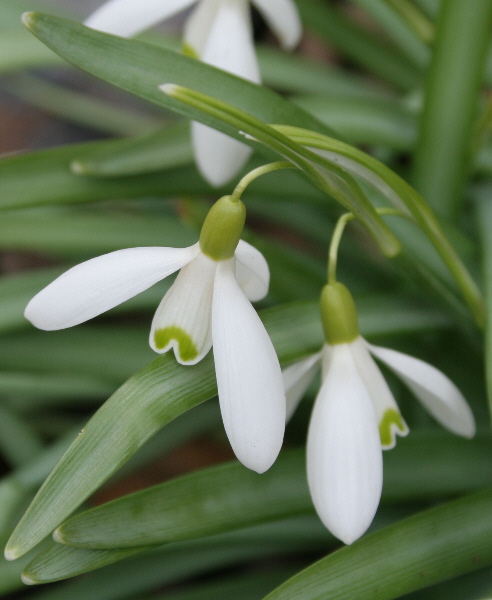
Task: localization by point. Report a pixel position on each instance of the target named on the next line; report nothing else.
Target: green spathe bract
(338, 314)
(222, 228)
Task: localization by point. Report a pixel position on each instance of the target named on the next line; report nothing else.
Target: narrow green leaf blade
(140, 68)
(229, 497)
(416, 552)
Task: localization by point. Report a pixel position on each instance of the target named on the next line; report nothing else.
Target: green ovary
(187, 348)
(390, 417)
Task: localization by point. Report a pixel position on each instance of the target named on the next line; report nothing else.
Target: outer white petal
(437, 392)
(249, 379)
(101, 283)
(283, 18)
(198, 26)
(252, 272)
(390, 420)
(183, 319)
(344, 457)
(297, 378)
(229, 47)
(129, 17)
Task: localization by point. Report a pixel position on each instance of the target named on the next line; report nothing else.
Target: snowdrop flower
(209, 303)
(355, 415)
(219, 33)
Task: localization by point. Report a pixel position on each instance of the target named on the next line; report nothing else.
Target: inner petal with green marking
(391, 422)
(183, 320)
(185, 345)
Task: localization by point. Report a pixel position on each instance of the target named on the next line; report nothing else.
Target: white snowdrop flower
(355, 415)
(208, 304)
(219, 33)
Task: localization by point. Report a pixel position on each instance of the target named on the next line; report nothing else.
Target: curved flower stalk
(218, 32)
(355, 415)
(208, 304)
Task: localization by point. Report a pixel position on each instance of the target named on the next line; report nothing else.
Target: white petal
(252, 272)
(218, 157)
(229, 46)
(390, 420)
(344, 457)
(249, 379)
(437, 392)
(198, 26)
(129, 17)
(283, 19)
(101, 283)
(297, 378)
(183, 319)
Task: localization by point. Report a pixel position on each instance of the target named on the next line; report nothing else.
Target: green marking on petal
(390, 417)
(188, 50)
(187, 348)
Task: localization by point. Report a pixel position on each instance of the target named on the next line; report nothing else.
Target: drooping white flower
(208, 304)
(219, 33)
(355, 415)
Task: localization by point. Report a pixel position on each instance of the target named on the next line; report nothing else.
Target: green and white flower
(208, 304)
(355, 415)
(219, 33)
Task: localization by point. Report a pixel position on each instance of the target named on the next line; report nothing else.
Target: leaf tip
(58, 536)
(28, 580)
(78, 167)
(169, 88)
(11, 553)
(27, 19)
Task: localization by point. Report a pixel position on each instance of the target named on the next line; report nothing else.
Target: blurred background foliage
(87, 168)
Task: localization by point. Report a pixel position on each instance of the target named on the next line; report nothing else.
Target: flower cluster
(219, 33)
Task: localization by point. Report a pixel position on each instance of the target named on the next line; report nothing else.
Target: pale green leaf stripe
(140, 68)
(419, 551)
(174, 562)
(228, 497)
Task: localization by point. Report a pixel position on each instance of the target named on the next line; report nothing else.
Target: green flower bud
(338, 314)
(222, 228)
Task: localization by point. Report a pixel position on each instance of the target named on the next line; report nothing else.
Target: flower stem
(337, 236)
(258, 172)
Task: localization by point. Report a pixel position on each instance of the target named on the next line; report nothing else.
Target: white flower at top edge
(355, 416)
(219, 33)
(208, 304)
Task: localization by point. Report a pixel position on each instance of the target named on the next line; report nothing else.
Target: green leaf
(403, 197)
(229, 497)
(173, 562)
(416, 552)
(140, 68)
(165, 148)
(45, 178)
(144, 404)
(362, 47)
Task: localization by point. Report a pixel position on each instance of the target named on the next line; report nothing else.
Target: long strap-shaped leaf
(404, 197)
(435, 545)
(140, 69)
(150, 399)
(228, 497)
(326, 175)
